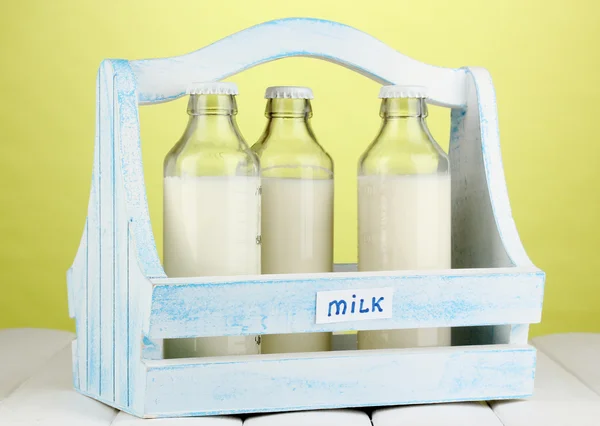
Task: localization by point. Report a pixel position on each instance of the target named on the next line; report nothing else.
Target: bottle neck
(214, 115)
(403, 117)
(212, 105)
(289, 118)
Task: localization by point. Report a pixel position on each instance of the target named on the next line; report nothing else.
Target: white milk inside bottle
(211, 208)
(298, 227)
(297, 203)
(404, 214)
(394, 237)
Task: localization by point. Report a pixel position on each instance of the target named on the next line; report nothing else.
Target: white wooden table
(35, 389)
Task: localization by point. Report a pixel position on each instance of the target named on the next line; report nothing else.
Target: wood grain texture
(312, 418)
(107, 220)
(44, 396)
(459, 414)
(483, 231)
(161, 80)
(559, 399)
(578, 353)
(107, 279)
(24, 351)
(344, 379)
(77, 278)
(124, 419)
(48, 398)
(286, 304)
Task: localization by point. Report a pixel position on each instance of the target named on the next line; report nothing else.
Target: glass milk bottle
(211, 207)
(297, 202)
(403, 205)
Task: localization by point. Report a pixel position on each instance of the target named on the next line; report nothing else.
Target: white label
(354, 305)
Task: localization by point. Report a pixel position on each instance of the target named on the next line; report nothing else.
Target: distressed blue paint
(75, 367)
(493, 168)
(352, 379)
(132, 170)
(106, 250)
(93, 260)
(287, 304)
(162, 79)
(122, 300)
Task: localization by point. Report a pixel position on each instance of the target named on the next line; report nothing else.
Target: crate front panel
(348, 379)
(287, 303)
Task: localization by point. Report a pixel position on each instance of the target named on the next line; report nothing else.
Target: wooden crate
(125, 305)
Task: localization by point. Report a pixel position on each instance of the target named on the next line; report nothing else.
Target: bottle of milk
(211, 207)
(403, 205)
(297, 202)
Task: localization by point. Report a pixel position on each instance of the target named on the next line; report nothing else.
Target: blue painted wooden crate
(125, 305)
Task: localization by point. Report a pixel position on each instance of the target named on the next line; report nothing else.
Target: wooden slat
(578, 353)
(312, 418)
(124, 419)
(139, 311)
(559, 399)
(286, 303)
(457, 414)
(93, 294)
(161, 80)
(23, 351)
(48, 398)
(484, 233)
(336, 380)
(122, 288)
(106, 200)
(77, 278)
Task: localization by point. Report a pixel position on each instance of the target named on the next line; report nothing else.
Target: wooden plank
(113, 347)
(122, 287)
(312, 418)
(48, 398)
(77, 277)
(286, 303)
(139, 311)
(124, 419)
(456, 414)
(106, 201)
(559, 399)
(93, 316)
(24, 351)
(161, 80)
(484, 233)
(336, 380)
(578, 353)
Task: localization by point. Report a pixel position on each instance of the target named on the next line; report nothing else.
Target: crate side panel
(284, 304)
(483, 230)
(484, 234)
(135, 252)
(368, 378)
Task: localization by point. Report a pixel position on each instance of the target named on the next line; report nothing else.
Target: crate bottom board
(275, 383)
